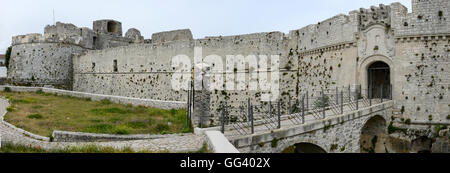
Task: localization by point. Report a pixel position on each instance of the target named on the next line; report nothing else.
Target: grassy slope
(41, 113)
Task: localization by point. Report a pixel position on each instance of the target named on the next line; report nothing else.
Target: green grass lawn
(42, 113)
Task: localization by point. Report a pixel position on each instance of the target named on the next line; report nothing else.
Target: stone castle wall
(46, 59)
(143, 71)
(422, 81)
(422, 58)
(332, 53)
(428, 17)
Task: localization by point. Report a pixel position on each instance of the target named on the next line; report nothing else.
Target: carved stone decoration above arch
(376, 40)
(375, 16)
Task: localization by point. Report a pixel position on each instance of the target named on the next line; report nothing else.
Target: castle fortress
(381, 47)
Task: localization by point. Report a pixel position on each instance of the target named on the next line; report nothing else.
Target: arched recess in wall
(421, 145)
(373, 135)
(304, 147)
(363, 72)
(379, 80)
(112, 27)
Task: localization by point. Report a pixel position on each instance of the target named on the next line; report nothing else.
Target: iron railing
(319, 105)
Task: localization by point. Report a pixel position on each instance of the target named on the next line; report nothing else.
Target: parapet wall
(338, 29)
(59, 33)
(184, 34)
(64, 136)
(84, 37)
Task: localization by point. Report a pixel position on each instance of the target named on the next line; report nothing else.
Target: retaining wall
(63, 136)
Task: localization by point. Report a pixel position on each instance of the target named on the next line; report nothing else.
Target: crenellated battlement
(338, 29)
(106, 34)
(375, 16)
(47, 59)
(28, 38)
(59, 33)
(428, 17)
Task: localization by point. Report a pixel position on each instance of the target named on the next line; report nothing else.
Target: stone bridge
(351, 132)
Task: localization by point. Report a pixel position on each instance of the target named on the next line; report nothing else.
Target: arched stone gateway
(373, 135)
(376, 75)
(304, 148)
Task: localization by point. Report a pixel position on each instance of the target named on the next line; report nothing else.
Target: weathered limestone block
(135, 35)
(29, 38)
(110, 27)
(184, 34)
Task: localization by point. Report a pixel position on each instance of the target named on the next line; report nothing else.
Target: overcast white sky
(203, 17)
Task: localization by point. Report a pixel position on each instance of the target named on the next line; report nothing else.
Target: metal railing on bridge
(318, 105)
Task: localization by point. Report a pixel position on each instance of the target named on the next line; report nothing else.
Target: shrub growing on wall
(319, 103)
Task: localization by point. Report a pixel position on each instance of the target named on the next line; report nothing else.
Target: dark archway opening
(304, 148)
(112, 27)
(421, 145)
(424, 151)
(373, 135)
(379, 83)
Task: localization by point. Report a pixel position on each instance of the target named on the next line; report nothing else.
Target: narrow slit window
(115, 66)
(94, 41)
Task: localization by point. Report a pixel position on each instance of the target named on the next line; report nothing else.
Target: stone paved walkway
(186, 143)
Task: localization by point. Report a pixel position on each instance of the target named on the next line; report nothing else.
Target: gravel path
(186, 143)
